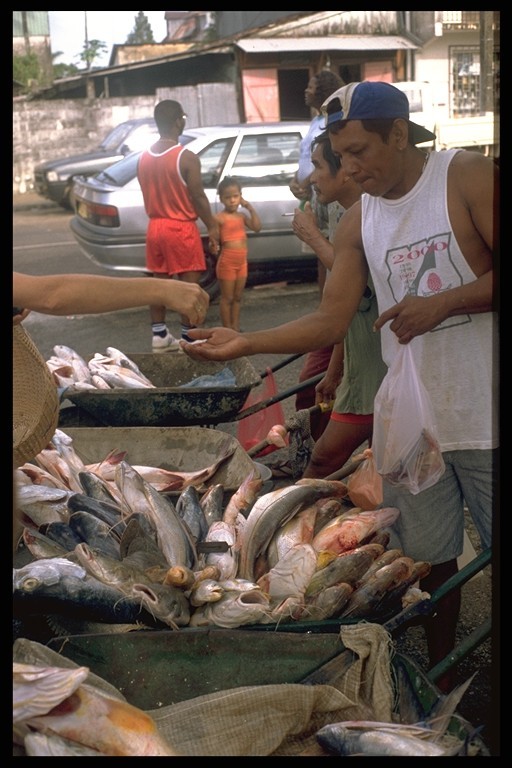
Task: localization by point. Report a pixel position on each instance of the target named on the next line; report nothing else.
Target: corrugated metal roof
(331, 43)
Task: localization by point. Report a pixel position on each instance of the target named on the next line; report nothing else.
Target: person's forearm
(88, 294)
(314, 331)
(470, 298)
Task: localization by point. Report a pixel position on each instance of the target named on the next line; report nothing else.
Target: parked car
(54, 179)
(110, 222)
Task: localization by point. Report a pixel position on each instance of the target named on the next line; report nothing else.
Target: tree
(91, 50)
(142, 32)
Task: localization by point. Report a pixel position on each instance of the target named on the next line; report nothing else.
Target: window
(464, 81)
(267, 159)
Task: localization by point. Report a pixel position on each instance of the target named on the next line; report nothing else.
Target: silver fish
(81, 370)
(236, 609)
(212, 503)
(40, 546)
(377, 740)
(189, 509)
(227, 562)
(43, 504)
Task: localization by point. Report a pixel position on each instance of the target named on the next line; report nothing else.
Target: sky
(67, 31)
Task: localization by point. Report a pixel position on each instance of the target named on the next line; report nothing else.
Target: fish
(227, 562)
(108, 512)
(242, 499)
(206, 591)
(43, 504)
(274, 509)
(190, 511)
(38, 689)
(119, 358)
(393, 598)
(298, 530)
(97, 487)
(236, 609)
(99, 382)
(344, 533)
(328, 603)
(117, 376)
(139, 548)
(110, 725)
(346, 567)
(62, 534)
(163, 602)
(50, 745)
(173, 536)
(386, 558)
(41, 546)
(40, 476)
(95, 532)
(373, 739)
(57, 585)
(291, 574)
(80, 368)
(327, 509)
(365, 599)
(50, 460)
(212, 503)
(64, 445)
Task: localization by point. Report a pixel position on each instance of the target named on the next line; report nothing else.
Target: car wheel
(208, 280)
(68, 199)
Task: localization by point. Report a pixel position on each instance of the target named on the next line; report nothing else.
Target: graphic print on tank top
(423, 269)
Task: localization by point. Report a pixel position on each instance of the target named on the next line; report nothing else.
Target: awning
(330, 43)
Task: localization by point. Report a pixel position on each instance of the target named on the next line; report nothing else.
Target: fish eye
(30, 584)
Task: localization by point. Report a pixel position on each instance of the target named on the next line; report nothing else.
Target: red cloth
(316, 362)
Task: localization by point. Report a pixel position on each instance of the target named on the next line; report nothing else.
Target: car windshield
(120, 173)
(116, 136)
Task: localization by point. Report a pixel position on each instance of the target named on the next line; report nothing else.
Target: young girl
(231, 267)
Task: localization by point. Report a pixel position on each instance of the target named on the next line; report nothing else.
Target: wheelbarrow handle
(281, 364)
(277, 398)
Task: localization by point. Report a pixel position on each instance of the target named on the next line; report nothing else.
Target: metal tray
(185, 449)
(170, 404)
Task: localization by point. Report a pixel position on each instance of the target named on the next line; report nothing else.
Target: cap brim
(419, 134)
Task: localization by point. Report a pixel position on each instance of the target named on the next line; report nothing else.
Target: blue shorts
(431, 523)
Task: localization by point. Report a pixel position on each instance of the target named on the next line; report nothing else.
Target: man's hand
(188, 299)
(412, 316)
(215, 344)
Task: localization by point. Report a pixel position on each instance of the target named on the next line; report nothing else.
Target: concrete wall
(47, 130)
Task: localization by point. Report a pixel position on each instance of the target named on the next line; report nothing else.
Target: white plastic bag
(405, 444)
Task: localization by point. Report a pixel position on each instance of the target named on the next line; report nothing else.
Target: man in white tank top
(425, 228)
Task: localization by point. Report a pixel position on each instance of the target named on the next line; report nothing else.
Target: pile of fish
(108, 545)
(111, 371)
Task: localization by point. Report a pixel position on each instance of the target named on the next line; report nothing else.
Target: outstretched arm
(92, 294)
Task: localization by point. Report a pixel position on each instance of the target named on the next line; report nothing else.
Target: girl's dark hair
(228, 181)
(332, 160)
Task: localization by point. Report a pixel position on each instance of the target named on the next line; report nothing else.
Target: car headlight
(52, 176)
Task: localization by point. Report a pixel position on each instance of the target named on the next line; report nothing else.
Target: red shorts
(174, 246)
(232, 264)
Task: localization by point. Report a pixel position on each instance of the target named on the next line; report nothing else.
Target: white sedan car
(110, 222)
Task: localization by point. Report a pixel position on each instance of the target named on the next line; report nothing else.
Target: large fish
(347, 532)
(109, 513)
(327, 604)
(174, 537)
(43, 504)
(298, 530)
(346, 567)
(40, 546)
(274, 509)
(212, 503)
(58, 586)
(163, 602)
(291, 574)
(91, 717)
(372, 739)
(189, 508)
(365, 599)
(226, 562)
(95, 532)
(235, 609)
(242, 499)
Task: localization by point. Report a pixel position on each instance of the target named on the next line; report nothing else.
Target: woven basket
(35, 399)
